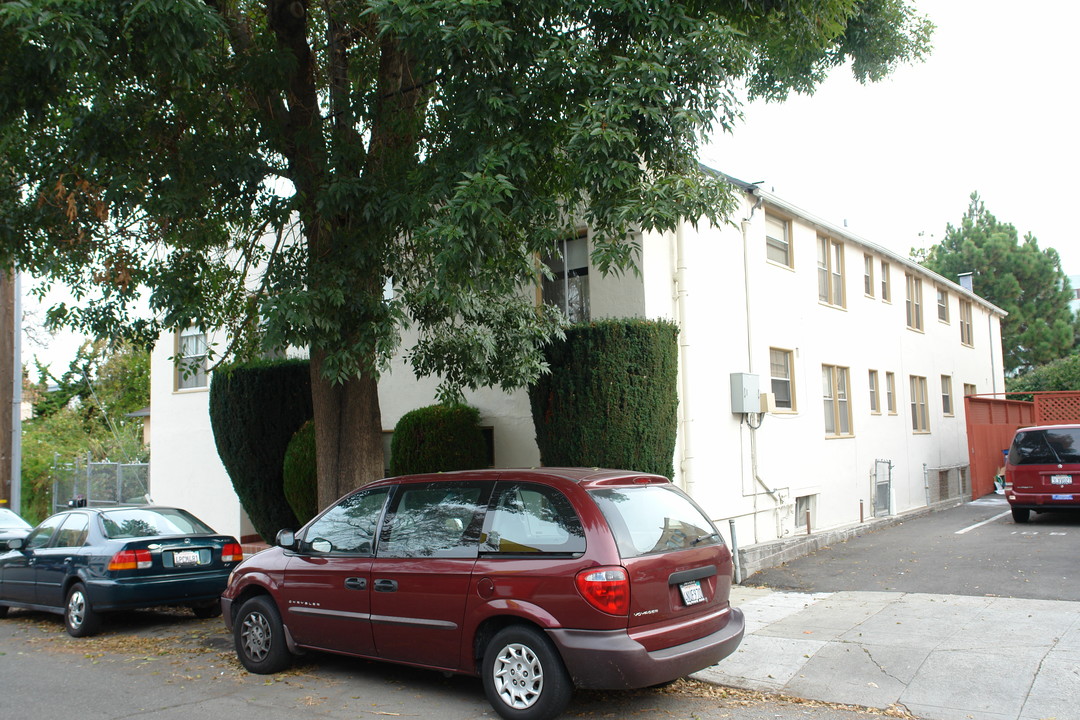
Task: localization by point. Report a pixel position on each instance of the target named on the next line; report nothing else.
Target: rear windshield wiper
(702, 538)
(1047, 441)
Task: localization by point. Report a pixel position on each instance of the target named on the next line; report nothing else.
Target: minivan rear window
(654, 519)
(1046, 446)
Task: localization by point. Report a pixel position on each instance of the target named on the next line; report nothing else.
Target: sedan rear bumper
(612, 660)
(143, 592)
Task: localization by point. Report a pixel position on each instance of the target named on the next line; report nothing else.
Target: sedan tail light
(131, 560)
(605, 588)
(232, 552)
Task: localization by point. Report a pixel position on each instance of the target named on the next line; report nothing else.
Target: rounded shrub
(438, 438)
(300, 474)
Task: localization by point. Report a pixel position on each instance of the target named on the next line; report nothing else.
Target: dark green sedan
(83, 562)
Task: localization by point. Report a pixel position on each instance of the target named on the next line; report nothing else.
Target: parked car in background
(1042, 471)
(538, 581)
(11, 526)
(87, 561)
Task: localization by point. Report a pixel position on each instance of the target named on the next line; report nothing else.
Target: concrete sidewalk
(942, 657)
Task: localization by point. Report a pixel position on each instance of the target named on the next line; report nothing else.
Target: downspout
(686, 459)
(745, 227)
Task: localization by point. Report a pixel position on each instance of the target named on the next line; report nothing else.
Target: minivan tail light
(232, 552)
(131, 560)
(605, 588)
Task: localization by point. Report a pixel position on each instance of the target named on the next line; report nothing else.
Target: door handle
(386, 586)
(355, 583)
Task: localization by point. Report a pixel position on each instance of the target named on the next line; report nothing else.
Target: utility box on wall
(744, 393)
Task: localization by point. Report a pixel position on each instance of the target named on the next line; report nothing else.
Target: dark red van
(1043, 470)
(538, 581)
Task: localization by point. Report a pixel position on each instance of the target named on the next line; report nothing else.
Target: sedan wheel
(79, 618)
(524, 677)
(260, 637)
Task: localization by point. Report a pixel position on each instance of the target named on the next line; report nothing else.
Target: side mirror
(16, 543)
(286, 539)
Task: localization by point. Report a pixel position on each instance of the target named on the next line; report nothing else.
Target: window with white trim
(778, 241)
(191, 349)
(780, 370)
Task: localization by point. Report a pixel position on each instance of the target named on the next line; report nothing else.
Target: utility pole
(8, 329)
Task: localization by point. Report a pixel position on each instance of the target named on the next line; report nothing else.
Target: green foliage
(1060, 374)
(1019, 277)
(300, 474)
(84, 414)
(255, 409)
(611, 397)
(438, 438)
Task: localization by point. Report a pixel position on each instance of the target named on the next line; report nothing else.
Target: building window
(191, 359)
(805, 505)
(886, 287)
(920, 412)
(834, 383)
(967, 336)
(969, 389)
(868, 275)
(946, 396)
(830, 271)
(780, 364)
(875, 392)
(778, 241)
(890, 392)
(568, 288)
(914, 302)
(943, 305)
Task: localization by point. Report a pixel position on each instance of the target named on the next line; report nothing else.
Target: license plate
(1061, 497)
(184, 558)
(1061, 479)
(691, 592)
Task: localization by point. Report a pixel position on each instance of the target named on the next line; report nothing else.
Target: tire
(260, 637)
(1021, 515)
(3, 611)
(204, 612)
(79, 618)
(524, 677)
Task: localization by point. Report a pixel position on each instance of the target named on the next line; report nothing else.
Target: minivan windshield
(1046, 446)
(653, 519)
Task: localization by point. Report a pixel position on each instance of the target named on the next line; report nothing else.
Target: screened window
(568, 288)
(831, 271)
(780, 365)
(920, 411)
(528, 518)
(837, 403)
(777, 240)
(191, 359)
(914, 302)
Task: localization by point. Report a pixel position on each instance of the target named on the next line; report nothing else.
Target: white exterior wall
(731, 313)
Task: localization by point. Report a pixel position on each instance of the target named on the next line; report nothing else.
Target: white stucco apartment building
(866, 357)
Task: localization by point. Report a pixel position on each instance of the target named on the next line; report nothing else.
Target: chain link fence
(100, 483)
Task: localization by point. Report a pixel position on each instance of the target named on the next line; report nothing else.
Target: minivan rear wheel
(1021, 515)
(524, 677)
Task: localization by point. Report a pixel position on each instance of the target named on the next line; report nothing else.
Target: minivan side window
(529, 518)
(434, 520)
(1046, 447)
(349, 527)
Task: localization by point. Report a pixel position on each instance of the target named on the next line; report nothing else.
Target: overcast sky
(992, 110)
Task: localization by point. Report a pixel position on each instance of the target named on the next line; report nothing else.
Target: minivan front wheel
(1021, 515)
(524, 677)
(260, 637)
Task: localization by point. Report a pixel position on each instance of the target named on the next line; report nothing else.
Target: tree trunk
(348, 432)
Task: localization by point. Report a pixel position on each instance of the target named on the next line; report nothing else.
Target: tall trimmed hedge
(255, 409)
(611, 397)
(300, 477)
(438, 438)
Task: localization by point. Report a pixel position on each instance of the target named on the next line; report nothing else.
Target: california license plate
(691, 592)
(1061, 479)
(184, 558)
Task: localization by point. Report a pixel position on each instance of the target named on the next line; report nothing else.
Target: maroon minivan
(538, 581)
(1043, 470)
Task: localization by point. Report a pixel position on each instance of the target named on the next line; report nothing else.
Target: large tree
(270, 167)
(1017, 276)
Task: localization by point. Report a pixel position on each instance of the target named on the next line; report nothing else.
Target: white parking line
(984, 522)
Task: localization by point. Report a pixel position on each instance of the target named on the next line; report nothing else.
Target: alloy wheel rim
(519, 676)
(255, 636)
(76, 609)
